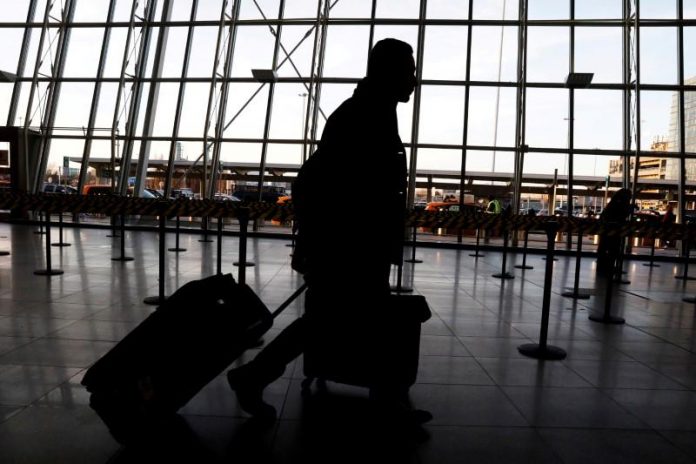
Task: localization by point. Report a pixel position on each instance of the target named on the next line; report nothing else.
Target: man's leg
(249, 380)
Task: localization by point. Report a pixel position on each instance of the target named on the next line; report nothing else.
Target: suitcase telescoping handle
(287, 302)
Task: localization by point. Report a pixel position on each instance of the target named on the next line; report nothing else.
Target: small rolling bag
(141, 383)
(366, 353)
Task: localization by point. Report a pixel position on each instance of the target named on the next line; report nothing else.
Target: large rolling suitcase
(367, 353)
(141, 383)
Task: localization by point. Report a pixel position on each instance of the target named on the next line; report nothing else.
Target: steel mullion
(520, 123)
(84, 165)
(21, 64)
(151, 108)
(682, 123)
(323, 21)
(222, 103)
(136, 95)
(465, 128)
(415, 120)
(312, 82)
(571, 130)
(179, 103)
(636, 53)
(54, 94)
(626, 60)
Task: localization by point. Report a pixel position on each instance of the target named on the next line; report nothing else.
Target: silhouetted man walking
(347, 244)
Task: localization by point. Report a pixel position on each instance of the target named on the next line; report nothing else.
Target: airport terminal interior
(527, 114)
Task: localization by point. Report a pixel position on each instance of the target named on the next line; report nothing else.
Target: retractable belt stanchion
(686, 275)
(177, 248)
(292, 236)
(113, 233)
(48, 271)
(160, 298)
(607, 318)
(652, 254)
(204, 223)
(542, 350)
(476, 253)
(413, 259)
(123, 257)
(524, 264)
(220, 223)
(60, 243)
(41, 228)
(398, 288)
(578, 261)
(243, 234)
(243, 228)
(504, 274)
(619, 265)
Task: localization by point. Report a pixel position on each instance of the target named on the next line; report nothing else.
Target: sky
(598, 50)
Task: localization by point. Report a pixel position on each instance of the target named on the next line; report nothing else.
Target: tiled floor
(624, 394)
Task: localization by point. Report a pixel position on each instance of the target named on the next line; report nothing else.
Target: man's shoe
(249, 394)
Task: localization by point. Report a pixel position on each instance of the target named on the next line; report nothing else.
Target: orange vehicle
(94, 189)
(450, 207)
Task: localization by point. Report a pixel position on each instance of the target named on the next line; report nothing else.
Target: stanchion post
(60, 243)
(652, 255)
(41, 227)
(578, 261)
(49, 271)
(177, 248)
(619, 264)
(219, 245)
(413, 259)
(243, 229)
(204, 224)
(687, 256)
(398, 288)
(543, 350)
(524, 264)
(113, 233)
(504, 274)
(122, 231)
(476, 253)
(160, 298)
(606, 317)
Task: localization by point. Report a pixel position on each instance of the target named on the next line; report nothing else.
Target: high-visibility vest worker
(494, 206)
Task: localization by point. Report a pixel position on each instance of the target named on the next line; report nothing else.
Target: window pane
(332, 95)
(408, 34)
(251, 120)
(689, 52)
(166, 109)
(181, 10)
(490, 62)
(689, 9)
(5, 97)
(11, 40)
(301, 58)
(591, 165)
(658, 55)
(442, 114)
(444, 55)
(74, 105)
(346, 51)
(174, 53)
(84, 49)
(491, 124)
(598, 119)
(493, 9)
(352, 9)
(548, 54)
(91, 11)
(544, 163)
(547, 110)
(253, 50)
(284, 153)
(655, 116)
(658, 9)
(194, 109)
(447, 9)
(300, 9)
(203, 51)
(599, 50)
(16, 11)
(289, 109)
(258, 9)
(598, 9)
(548, 9)
(397, 8)
(439, 159)
(690, 119)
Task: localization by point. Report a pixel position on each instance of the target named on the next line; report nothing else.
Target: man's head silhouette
(391, 69)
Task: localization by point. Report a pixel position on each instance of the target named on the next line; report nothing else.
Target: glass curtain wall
(219, 97)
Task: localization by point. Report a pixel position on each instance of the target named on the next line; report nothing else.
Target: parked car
(450, 207)
(154, 192)
(58, 188)
(225, 197)
(95, 189)
(182, 193)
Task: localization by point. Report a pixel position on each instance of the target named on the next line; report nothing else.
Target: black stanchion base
(247, 264)
(519, 266)
(60, 244)
(608, 319)
(399, 289)
(622, 281)
(414, 261)
(113, 236)
(549, 352)
(477, 255)
(48, 272)
(576, 295)
(505, 275)
(651, 265)
(290, 245)
(4, 253)
(154, 300)
(123, 258)
(555, 259)
(689, 299)
(176, 249)
(205, 240)
(681, 277)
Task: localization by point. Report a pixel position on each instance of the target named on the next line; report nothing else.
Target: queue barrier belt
(495, 223)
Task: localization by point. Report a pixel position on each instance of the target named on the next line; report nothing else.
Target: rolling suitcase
(382, 350)
(140, 384)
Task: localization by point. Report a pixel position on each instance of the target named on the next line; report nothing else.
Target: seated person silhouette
(347, 248)
(614, 215)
